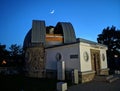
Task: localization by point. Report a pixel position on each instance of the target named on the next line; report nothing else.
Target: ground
(97, 86)
(22, 83)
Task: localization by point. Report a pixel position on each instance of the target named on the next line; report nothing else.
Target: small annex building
(45, 46)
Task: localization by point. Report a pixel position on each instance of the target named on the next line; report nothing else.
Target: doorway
(95, 61)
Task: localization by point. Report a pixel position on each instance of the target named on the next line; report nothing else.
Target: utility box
(61, 70)
(75, 76)
(61, 86)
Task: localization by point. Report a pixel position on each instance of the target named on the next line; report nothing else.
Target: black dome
(37, 34)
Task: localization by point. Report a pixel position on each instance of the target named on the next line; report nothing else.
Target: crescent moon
(52, 12)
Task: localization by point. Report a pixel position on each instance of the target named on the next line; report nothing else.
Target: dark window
(74, 56)
(58, 56)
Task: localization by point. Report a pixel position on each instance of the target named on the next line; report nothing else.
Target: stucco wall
(85, 65)
(103, 59)
(65, 51)
(74, 63)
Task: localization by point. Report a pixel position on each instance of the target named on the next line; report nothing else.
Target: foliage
(15, 50)
(3, 52)
(111, 38)
(12, 57)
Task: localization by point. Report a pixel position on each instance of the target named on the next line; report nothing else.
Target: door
(95, 61)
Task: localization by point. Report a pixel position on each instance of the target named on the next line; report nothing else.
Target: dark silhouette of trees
(14, 57)
(15, 50)
(111, 38)
(4, 54)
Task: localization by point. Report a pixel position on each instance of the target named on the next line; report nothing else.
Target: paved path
(97, 86)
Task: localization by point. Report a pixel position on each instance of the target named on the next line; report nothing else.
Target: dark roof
(61, 45)
(27, 40)
(68, 31)
(38, 31)
(89, 42)
(37, 34)
(78, 40)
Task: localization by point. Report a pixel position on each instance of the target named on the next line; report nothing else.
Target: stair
(112, 78)
(100, 78)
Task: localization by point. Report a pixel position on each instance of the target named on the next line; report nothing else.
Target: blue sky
(88, 17)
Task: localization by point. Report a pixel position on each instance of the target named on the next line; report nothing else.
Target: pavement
(98, 84)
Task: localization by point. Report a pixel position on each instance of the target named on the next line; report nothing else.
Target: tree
(16, 54)
(4, 54)
(111, 38)
(15, 50)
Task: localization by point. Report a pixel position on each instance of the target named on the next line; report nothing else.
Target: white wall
(85, 65)
(74, 63)
(103, 62)
(65, 51)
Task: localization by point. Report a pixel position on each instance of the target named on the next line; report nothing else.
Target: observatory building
(54, 52)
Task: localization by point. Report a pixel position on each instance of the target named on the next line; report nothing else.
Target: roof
(37, 34)
(79, 40)
(38, 31)
(89, 42)
(68, 31)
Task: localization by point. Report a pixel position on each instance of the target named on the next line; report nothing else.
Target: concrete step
(100, 78)
(112, 79)
(109, 77)
(117, 72)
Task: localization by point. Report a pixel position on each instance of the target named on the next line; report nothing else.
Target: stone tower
(34, 50)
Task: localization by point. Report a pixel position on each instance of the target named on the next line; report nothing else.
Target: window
(58, 56)
(74, 56)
